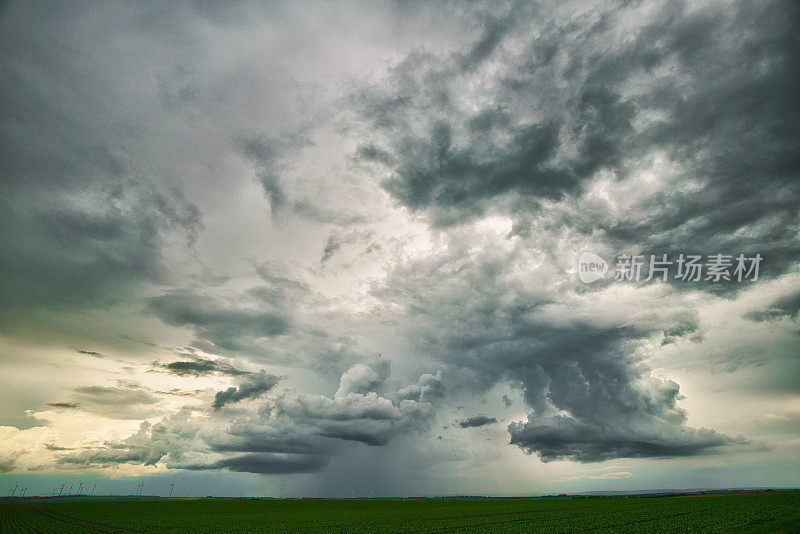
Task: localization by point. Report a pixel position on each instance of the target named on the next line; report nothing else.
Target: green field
(738, 512)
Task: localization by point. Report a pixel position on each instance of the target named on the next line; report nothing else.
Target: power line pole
(61, 490)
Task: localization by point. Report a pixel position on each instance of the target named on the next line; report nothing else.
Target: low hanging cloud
(366, 418)
(266, 464)
(290, 433)
(224, 325)
(251, 387)
(198, 366)
(254, 436)
(476, 421)
(356, 412)
(565, 438)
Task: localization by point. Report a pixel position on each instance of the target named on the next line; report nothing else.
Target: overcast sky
(331, 248)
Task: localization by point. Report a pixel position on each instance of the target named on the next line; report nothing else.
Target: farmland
(735, 512)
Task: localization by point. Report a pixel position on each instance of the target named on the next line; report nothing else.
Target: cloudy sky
(270, 248)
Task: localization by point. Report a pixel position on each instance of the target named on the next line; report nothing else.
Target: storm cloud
(553, 114)
(199, 366)
(221, 324)
(252, 386)
(356, 412)
(476, 421)
(267, 464)
(381, 206)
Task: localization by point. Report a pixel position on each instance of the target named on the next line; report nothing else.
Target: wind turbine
(171, 487)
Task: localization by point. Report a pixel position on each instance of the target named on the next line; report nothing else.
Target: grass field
(739, 512)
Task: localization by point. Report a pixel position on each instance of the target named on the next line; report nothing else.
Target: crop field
(737, 512)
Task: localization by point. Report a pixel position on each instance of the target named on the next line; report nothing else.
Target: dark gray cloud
(366, 418)
(460, 142)
(476, 421)
(293, 433)
(85, 221)
(63, 404)
(269, 155)
(785, 306)
(332, 246)
(80, 255)
(539, 132)
(267, 464)
(495, 28)
(561, 437)
(433, 209)
(251, 387)
(280, 286)
(355, 412)
(199, 366)
(479, 322)
(54, 447)
(252, 439)
(223, 325)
